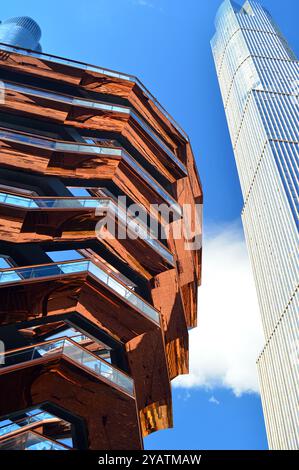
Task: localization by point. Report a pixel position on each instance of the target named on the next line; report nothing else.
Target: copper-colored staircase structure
(63, 125)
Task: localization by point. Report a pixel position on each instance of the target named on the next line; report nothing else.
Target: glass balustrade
(19, 201)
(143, 233)
(30, 441)
(73, 351)
(95, 105)
(160, 142)
(56, 145)
(153, 183)
(98, 366)
(94, 68)
(42, 271)
(53, 203)
(96, 203)
(70, 100)
(90, 149)
(57, 270)
(9, 426)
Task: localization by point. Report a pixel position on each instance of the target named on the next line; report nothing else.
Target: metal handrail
(97, 69)
(86, 148)
(39, 437)
(61, 349)
(27, 423)
(105, 202)
(93, 104)
(88, 266)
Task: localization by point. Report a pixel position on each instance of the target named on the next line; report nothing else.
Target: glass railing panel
(43, 416)
(67, 147)
(159, 142)
(64, 98)
(98, 273)
(117, 287)
(9, 277)
(9, 426)
(79, 338)
(102, 106)
(56, 145)
(162, 109)
(148, 311)
(76, 353)
(160, 248)
(32, 353)
(71, 203)
(58, 269)
(93, 203)
(88, 149)
(53, 203)
(58, 203)
(94, 68)
(17, 200)
(30, 441)
(167, 198)
(142, 232)
(96, 105)
(34, 412)
(98, 366)
(20, 274)
(26, 139)
(48, 349)
(39, 272)
(108, 151)
(37, 92)
(140, 170)
(124, 292)
(77, 267)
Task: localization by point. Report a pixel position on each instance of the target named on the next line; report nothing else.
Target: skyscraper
(259, 80)
(92, 326)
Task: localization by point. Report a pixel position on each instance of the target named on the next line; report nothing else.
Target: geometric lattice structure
(94, 328)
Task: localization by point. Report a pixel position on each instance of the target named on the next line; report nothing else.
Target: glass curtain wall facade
(259, 81)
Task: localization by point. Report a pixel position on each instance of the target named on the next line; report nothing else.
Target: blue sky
(166, 44)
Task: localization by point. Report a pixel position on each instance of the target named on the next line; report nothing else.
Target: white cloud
(214, 400)
(225, 345)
